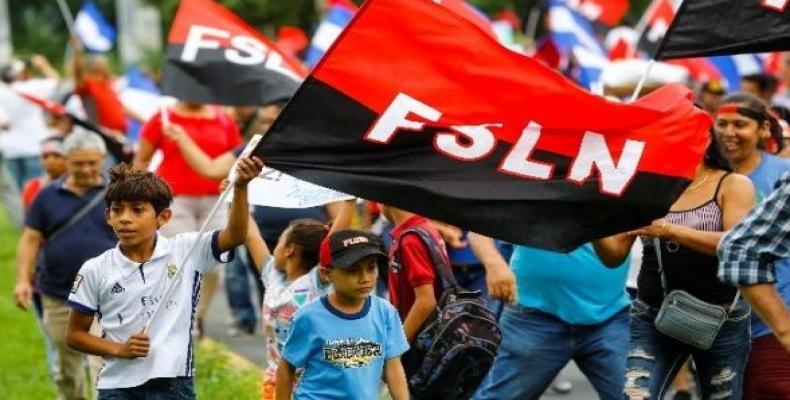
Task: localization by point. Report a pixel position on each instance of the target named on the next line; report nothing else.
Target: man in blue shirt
(561, 307)
(60, 256)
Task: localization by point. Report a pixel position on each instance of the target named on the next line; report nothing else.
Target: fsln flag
(657, 20)
(328, 30)
(609, 12)
(213, 56)
(721, 27)
(93, 30)
(417, 108)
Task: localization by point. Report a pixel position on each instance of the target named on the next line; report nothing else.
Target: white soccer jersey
(123, 293)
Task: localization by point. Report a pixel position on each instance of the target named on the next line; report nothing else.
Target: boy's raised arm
(236, 230)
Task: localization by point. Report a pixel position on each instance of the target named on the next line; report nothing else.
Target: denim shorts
(182, 388)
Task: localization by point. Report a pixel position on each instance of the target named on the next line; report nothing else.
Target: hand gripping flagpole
(231, 181)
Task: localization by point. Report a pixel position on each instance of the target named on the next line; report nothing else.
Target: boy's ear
(325, 272)
(164, 217)
(289, 250)
(107, 215)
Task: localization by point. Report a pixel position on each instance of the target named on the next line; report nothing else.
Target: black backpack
(457, 345)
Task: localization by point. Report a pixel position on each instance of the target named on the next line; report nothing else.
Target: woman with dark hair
(743, 125)
(680, 254)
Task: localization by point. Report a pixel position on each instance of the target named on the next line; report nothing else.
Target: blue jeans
(655, 358)
(155, 389)
(536, 346)
(237, 288)
(23, 169)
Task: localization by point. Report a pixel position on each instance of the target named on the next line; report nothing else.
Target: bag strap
(657, 247)
(440, 266)
(78, 215)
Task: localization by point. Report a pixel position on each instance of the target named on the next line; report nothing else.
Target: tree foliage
(37, 25)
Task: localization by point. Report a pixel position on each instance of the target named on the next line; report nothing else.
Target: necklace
(704, 178)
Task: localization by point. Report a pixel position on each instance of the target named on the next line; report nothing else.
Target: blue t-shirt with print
(764, 177)
(576, 287)
(343, 355)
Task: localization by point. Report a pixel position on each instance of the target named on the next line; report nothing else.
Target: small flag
(93, 30)
(333, 23)
(658, 18)
(574, 35)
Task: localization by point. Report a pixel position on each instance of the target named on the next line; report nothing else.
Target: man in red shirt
(94, 84)
(413, 285)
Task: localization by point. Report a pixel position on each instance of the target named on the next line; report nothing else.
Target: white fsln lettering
(595, 153)
(395, 118)
(245, 51)
(276, 63)
(195, 41)
(517, 161)
(481, 141)
(777, 5)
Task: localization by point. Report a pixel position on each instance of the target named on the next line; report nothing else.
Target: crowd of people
(344, 290)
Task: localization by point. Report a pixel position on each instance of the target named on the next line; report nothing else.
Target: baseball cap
(714, 86)
(344, 248)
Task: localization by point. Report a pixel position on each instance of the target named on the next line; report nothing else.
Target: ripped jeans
(654, 358)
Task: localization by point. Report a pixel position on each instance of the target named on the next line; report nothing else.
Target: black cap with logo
(344, 248)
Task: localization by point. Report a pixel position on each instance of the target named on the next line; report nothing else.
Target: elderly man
(747, 255)
(64, 227)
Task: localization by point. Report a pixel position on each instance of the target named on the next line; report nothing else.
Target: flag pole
(67, 16)
(641, 84)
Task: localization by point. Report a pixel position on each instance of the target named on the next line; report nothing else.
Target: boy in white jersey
(126, 285)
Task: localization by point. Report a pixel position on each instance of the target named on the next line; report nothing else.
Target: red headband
(730, 108)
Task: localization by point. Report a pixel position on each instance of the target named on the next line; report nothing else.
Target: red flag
(213, 56)
(417, 108)
(48, 106)
(610, 12)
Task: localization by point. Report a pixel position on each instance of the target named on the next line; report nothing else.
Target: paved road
(251, 348)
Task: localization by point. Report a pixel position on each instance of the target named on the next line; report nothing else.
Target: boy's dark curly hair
(130, 185)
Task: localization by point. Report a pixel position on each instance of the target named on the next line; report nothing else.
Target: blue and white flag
(573, 34)
(336, 19)
(732, 68)
(140, 94)
(93, 30)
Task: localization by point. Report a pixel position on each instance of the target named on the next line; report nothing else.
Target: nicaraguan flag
(573, 34)
(336, 19)
(732, 68)
(93, 30)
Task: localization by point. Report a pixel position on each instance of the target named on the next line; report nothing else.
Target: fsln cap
(346, 247)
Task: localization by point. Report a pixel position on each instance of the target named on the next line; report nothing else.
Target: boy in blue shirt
(347, 340)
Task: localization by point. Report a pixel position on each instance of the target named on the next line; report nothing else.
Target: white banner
(276, 189)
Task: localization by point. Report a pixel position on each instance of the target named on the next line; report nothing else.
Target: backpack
(457, 345)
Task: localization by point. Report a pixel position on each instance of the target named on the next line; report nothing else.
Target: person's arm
(256, 245)
(453, 236)
(343, 214)
(212, 168)
(26, 253)
(76, 61)
(736, 198)
(395, 377)
(79, 338)
(499, 277)
(612, 250)
(235, 232)
(285, 380)
(771, 309)
(424, 305)
(44, 67)
(143, 155)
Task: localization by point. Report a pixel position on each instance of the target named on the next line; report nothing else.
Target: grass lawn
(23, 370)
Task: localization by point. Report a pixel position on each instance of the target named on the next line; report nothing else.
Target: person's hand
(658, 229)
(175, 133)
(453, 236)
(23, 295)
(247, 169)
(137, 346)
(39, 62)
(501, 283)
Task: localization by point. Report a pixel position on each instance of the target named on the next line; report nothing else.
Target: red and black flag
(213, 56)
(416, 107)
(720, 27)
(655, 24)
